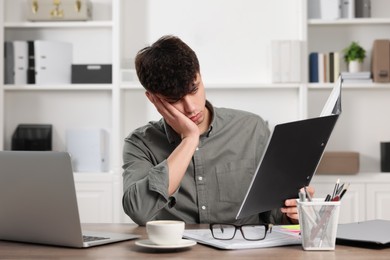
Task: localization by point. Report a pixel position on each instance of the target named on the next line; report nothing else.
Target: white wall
(231, 37)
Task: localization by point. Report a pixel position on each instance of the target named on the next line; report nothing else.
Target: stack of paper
(357, 77)
(280, 236)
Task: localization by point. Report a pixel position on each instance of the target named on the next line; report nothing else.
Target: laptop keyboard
(93, 238)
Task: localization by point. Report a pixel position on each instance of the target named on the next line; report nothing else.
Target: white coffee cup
(165, 232)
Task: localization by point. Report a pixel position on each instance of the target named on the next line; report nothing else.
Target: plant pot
(354, 66)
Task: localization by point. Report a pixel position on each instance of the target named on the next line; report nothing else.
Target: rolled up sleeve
(145, 185)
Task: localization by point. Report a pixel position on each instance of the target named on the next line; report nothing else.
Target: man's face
(193, 104)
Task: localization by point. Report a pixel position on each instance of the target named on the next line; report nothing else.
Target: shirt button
(203, 207)
(200, 178)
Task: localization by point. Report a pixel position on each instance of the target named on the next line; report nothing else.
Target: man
(197, 162)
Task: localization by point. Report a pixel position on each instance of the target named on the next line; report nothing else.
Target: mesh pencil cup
(318, 222)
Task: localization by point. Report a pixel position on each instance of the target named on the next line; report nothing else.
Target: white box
(88, 148)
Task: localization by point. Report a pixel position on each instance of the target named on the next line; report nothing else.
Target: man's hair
(168, 67)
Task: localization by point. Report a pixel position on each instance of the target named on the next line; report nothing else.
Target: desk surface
(128, 250)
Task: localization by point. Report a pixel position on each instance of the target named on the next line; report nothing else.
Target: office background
(233, 40)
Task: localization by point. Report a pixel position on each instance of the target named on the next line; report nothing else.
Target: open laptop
(291, 158)
(38, 201)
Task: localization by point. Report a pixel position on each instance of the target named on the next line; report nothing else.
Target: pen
(344, 191)
(335, 188)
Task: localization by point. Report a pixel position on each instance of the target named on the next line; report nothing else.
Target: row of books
(324, 67)
(37, 62)
(336, 9)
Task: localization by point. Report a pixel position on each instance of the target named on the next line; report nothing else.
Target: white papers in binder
(333, 104)
(53, 62)
(20, 62)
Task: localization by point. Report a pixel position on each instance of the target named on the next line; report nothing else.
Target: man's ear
(149, 96)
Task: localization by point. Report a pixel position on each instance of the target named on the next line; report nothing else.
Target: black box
(92, 73)
(32, 137)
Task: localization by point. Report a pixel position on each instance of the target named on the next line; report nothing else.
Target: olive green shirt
(216, 180)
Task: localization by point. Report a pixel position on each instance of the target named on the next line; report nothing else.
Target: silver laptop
(38, 201)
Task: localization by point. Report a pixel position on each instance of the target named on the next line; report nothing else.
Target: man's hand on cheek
(176, 119)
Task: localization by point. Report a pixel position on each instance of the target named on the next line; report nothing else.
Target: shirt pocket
(234, 179)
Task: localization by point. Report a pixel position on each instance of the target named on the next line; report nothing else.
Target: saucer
(149, 244)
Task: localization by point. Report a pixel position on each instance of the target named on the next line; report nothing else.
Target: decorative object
(354, 56)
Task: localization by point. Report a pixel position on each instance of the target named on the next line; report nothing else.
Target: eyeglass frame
(268, 227)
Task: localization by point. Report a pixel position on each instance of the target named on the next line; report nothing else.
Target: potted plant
(354, 56)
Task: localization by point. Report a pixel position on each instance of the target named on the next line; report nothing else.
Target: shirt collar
(174, 137)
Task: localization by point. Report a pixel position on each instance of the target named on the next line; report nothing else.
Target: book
(313, 67)
(356, 75)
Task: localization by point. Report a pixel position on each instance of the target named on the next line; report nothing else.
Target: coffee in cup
(165, 232)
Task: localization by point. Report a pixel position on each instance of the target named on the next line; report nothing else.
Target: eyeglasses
(249, 232)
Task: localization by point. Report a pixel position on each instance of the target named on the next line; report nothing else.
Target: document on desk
(279, 236)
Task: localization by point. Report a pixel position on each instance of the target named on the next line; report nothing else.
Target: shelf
(362, 86)
(92, 87)
(356, 21)
(224, 86)
(58, 24)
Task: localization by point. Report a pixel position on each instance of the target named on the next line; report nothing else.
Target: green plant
(354, 52)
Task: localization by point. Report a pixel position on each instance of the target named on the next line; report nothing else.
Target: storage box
(92, 73)
(339, 163)
(32, 137)
(65, 10)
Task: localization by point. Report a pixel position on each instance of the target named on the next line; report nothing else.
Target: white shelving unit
(68, 106)
(120, 28)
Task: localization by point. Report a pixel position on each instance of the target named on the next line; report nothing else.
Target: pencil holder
(318, 222)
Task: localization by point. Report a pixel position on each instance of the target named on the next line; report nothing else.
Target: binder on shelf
(8, 63)
(347, 9)
(88, 148)
(53, 61)
(314, 9)
(31, 63)
(381, 60)
(20, 62)
(363, 8)
(330, 9)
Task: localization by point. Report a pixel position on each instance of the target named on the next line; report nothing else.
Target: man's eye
(172, 101)
(194, 90)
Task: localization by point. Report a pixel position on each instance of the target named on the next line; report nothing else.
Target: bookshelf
(120, 28)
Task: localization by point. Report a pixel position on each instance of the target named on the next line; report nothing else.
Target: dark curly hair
(168, 67)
